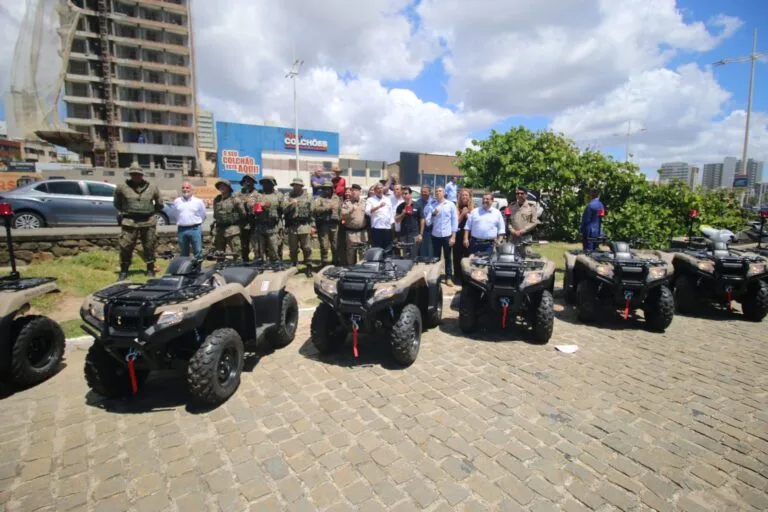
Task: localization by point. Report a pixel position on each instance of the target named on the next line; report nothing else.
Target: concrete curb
(83, 342)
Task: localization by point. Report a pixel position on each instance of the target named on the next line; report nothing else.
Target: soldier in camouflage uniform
(327, 212)
(268, 208)
(355, 229)
(298, 224)
(137, 201)
(228, 213)
(247, 185)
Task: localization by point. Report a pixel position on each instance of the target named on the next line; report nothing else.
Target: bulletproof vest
(356, 218)
(138, 200)
(270, 216)
(303, 210)
(329, 216)
(225, 212)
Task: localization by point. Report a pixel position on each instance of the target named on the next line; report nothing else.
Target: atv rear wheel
(37, 349)
(685, 295)
(213, 373)
(586, 301)
(285, 331)
(326, 330)
(406, 335)
(106, 376)
(659, 308)
(755, 302)
(544, 321)
(468, 309)
(433, 319)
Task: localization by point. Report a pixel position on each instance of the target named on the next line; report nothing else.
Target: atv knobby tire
(754, 304)
(433, 319)
(544, 319)
(468, 303)
(586, 301)
(108, 377)
(406, 335)
(37, 348)
(659, 308)
(213, 372)
(685, 295)
(283, 333)
(326, 330)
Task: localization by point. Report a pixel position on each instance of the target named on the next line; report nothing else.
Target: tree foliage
(553, 167)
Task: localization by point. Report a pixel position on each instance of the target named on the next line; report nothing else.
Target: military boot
(307, 269)
(151, 269)
(123, 272)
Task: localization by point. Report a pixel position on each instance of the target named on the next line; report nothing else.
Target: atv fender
(270, 282)
(11, 302)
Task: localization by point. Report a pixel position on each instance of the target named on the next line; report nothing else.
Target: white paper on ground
(568, 349)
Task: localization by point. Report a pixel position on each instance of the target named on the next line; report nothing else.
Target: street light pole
(293, 74)
(629, 138)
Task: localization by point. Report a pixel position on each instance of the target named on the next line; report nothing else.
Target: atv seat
(374, 254)
(620, 251)
(720, 250)
(240, 275)
(183, 266)
(505, 253)
(403, 265)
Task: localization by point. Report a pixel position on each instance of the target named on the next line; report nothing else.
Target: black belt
(191, 226)
(484, 239)
(355, 230)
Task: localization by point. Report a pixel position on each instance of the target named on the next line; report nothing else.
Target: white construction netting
(40, 60)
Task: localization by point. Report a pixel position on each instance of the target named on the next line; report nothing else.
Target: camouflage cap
(297, 181)
(268, 179)
(135, 168)
(327, 183)
(248, 177)
(223, 182)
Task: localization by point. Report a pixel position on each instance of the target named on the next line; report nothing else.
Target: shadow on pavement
(372, 351)
(7, 390)
(490, 330)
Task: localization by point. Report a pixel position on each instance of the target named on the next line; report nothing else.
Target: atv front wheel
(433, 319)
(468, 309)
(755, 302)
(326, 331)
(568, 292)
(660, 309)
(285, 331)
(406, 335)
(106, 376)
(213, 373)
(685, 295)
(586, 301)
(37, 349)
(544, 321)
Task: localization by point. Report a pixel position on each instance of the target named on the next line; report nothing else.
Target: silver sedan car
(54, 203)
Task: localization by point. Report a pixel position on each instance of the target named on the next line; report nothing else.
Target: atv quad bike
(199, 319)
(620, 278)
(31, 346)
(756, 234)
(707, 270)
(508, 281)
(381, 294)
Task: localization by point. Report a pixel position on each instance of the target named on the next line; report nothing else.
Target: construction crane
(105, 57)
(752, 57)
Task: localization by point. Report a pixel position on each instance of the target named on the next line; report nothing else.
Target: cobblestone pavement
(632, 421)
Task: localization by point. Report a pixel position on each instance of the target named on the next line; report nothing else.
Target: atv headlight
(328, 287)
(168, 318)
(756, 268)
(479, 275)
(655, 273)
(706, 266)
(96, 310)
(384, 293)
(532, 278)
(605, 270)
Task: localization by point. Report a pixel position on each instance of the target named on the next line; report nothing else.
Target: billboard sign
(740, 182)
(307, 143)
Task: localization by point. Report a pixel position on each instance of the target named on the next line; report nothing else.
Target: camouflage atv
(31, 346)
(706, 270)
(198, 319)
(507, 281)
(381, 294)
(620, 278)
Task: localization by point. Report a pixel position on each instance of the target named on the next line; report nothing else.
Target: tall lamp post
(628, 135)
(293, 74)
(752, 58)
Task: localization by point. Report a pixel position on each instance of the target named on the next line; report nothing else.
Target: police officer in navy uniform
(591, 220)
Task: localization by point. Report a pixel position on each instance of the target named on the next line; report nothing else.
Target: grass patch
(72, 328)
(555, 251)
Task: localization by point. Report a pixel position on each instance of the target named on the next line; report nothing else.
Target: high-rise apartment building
(754, 171)
(722, 175)
(129, 84)
(671, 171)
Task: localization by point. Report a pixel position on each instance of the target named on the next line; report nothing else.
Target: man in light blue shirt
(484, 226)
(424, 201)
(451, 190)
(444, 219)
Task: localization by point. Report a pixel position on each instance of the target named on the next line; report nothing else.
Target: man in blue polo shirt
(485, 225)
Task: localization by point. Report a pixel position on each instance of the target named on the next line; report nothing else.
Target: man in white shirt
(397, 199)
(379, 210)
(484, 227)
(189, 221)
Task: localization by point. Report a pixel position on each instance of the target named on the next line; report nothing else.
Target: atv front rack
(390, 272)
(14, 284)
(178, 296)
(264, 266)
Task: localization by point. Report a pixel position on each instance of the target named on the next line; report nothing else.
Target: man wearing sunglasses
(523, 217)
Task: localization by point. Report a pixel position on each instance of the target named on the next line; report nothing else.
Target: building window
(428, 180)
(109, 173)
(374, 173)
(169, 175)
(439, 180)
(358, 173)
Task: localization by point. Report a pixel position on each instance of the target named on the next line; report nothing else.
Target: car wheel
(28, 220)
(162, 220)
(37, 349)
